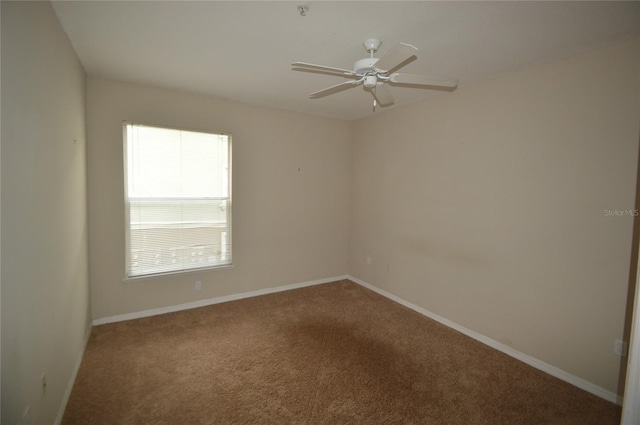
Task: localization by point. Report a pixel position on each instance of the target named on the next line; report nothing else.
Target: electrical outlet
(369, 260)
(620, 348)
(198, 285)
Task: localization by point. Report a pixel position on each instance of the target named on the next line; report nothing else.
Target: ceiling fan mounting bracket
(372, 45)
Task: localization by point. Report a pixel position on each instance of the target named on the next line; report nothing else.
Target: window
(178, 199)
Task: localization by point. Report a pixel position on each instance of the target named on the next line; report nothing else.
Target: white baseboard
(72, 379)
(531, 361)
(211, 301)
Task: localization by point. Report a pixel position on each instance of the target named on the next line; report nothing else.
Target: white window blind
(178, 199)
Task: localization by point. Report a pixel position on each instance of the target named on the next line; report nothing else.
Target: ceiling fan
(376, 75)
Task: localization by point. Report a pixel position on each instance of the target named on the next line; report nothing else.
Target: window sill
(177, 273)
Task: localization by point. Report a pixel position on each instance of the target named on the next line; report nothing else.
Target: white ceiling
(242, 50)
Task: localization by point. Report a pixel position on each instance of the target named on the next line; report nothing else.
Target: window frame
(127, 227)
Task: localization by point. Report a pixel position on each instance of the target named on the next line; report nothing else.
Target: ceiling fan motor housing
(365, 66)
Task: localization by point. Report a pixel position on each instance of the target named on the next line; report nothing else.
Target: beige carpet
(328, 354)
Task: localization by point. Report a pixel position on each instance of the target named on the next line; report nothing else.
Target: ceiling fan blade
(383, 95)
(297, 66)
(422, 80)
(334, 89)
(394, 57)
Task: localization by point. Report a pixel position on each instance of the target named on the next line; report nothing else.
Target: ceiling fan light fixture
(370, 81)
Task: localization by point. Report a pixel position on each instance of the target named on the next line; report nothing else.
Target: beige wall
(45, 289)
(291, 191)
(488, 206)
